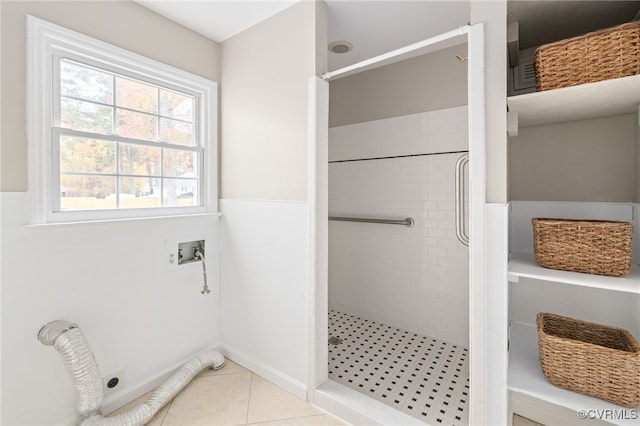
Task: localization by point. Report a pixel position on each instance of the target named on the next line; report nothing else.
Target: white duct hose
(69, 341)
(67, 338)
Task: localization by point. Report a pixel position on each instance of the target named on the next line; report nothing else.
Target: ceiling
(217, 19)
(374, 27)
(371, 26)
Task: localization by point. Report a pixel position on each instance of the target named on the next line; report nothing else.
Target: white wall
(265, 164)
(493, 13)
(319, 233)
(439, 130)
(414, 278)
(265, 294)
(488, 375)
(138, 312)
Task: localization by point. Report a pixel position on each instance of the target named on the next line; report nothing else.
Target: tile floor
(236, 396)
(421, 376)
(521, 421)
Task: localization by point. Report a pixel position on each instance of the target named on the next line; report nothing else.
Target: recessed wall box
(187, 251)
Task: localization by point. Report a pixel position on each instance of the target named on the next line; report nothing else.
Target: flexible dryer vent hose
(67, 338)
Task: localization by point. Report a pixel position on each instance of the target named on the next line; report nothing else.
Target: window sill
(199, 218)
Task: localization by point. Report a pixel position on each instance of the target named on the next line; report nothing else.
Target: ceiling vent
(340, 47)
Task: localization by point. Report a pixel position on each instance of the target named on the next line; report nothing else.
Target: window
(121, 143)
(113, 134)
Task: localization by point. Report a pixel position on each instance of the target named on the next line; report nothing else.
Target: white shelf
(524, 265)
(526, 377)
(593, 100)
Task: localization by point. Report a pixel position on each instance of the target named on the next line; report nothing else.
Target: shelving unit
(574, 155)
(525, 374)
(524, 265)
(593, 100)
(526, 377)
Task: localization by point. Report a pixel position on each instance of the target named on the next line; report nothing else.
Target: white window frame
(45, 42)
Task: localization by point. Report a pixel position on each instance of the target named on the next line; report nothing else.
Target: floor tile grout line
(246, 418)
(169, 405)
(199, 377)
(290, 418)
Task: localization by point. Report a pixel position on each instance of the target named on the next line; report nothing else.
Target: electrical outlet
(113, 382)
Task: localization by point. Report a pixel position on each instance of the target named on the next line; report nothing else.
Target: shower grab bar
(461, 231)
(406, 222)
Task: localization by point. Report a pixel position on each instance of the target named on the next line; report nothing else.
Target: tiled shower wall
(412, 278)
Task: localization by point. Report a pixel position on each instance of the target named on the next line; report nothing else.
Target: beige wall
(588, 160)
(264, 98)
(122, 23)
(428, 82)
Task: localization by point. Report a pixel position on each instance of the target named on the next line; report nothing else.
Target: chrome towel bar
(406, 222)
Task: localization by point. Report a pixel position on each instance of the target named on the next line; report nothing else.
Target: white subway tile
(415, 278)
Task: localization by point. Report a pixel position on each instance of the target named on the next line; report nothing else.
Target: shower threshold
(423, 377)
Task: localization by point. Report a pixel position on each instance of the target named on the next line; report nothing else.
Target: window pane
(176, 105)
(178, 163)
(135, 95)
(80, 192)
(176, 132)
(139, 160)
(87, 83)
(119, 131)
(180, 192)
(137, 125)
(137, 192)
(86, 116)
(87, 155)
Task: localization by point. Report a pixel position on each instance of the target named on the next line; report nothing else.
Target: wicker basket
(590, 358)
(590, 246)
(600, 55)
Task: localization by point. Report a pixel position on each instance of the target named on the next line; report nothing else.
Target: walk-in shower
(398, 265)
(398, 255)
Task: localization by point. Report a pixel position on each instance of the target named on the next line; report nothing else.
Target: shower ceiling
(378, 26)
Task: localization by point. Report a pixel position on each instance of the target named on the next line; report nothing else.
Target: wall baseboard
(276, 377)
(130, 393)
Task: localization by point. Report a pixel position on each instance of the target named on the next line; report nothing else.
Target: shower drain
(333, 340)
